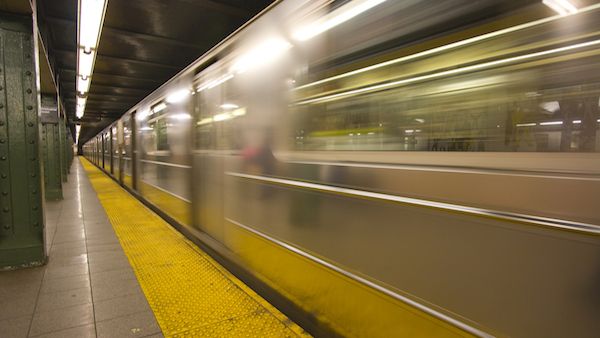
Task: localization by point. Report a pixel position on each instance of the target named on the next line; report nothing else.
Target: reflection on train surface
(394, 168)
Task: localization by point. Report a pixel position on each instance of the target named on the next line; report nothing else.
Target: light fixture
(551, 123)
(89, 26)
(91, 15)
(83, 84)
(77, 130)
(562, 7)
(178, 96)
(229, 106)
(335, 18)
(261, 54)
(81, 101)
(576, 121)
(159, 107)
(146, 128)
(85, 63)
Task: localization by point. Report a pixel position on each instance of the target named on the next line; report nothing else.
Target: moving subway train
(391, 168)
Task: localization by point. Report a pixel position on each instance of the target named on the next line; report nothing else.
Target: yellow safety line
(190, 294)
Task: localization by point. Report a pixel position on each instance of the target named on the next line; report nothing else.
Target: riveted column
(62, 146)
(52, 147)
(21, 215)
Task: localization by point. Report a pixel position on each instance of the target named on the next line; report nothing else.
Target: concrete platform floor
(88, 288)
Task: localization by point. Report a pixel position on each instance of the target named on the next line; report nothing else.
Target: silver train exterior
(422, 168)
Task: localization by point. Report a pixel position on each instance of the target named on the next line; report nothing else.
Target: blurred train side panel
(394, 168)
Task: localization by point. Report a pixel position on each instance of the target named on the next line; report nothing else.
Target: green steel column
(69, 151)
(62, 146)
(51, 148)
(21, 215)
(52, 165)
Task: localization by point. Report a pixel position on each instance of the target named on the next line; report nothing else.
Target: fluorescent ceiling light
(229, 106)
(576, 121)
(178, 96)
(81, 101)
(83, 84)
(146, 128)
(85, 63)
(159, 107)
(261, 54)
(335, 18)
(551, 123)
(526, 124)
(91, 15)
(181, 116)
(562, 7)
(79, 111)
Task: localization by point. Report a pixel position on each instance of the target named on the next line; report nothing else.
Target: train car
(391, 168)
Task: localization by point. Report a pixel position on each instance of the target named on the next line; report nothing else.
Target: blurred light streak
(178, 96)
(562, 7)
(335, 18)
(181, 116)
(448, 72)
(445, 47)
(159, 107)
(261, 54)
(229, 106)
(213, 83)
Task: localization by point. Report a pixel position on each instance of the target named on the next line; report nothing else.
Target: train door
(134, 150)
(103, 151)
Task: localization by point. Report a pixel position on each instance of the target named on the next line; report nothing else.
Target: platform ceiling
(143, 44)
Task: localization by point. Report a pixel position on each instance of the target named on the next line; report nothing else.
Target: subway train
(388, 168)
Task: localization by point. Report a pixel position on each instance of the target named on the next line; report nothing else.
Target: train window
(549, 108)
(219, 110)
(160, 129)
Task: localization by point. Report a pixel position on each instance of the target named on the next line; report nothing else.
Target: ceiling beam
(220, 7)
(123, 32)
(141, 90)
(121, 59)
(116, 76)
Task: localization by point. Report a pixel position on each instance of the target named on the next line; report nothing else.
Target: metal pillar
(21, 190)
(62, 131)
(52, 147)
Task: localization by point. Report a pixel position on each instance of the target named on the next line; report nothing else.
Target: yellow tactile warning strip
(190, 294)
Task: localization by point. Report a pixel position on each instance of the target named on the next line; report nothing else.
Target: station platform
(116, 269)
